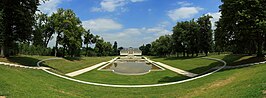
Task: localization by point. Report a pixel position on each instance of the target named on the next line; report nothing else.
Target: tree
(57, 19)
(103, 48)
(162, 46)
(18, 19)
(119, 49)
(88, 39)
(69, 31)
(146, 49)
(205, 34)
(1, 33)
(244, 21)
(115, 48)
(43, 30)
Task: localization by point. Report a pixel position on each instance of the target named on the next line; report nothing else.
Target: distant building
(130, 51)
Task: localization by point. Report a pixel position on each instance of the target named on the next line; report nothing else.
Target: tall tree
(69, 31)
(18, 19)
(57, 19)
(88, 39)
(205, 34)
(43, 30)
(162, 46)
(1, 33)
(244, 21)
(115, 48)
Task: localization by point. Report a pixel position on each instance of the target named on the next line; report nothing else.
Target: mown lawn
(246, 82)
(109, 77)
(195, 65)
(72, 64)
(62, 65)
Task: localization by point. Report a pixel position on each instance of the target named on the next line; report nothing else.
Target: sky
(133, 23)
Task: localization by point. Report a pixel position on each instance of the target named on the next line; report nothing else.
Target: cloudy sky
(133, 23)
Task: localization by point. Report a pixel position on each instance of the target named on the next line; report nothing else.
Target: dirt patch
(264, 92)
(2, 96)
(221, 83)
(213, 85)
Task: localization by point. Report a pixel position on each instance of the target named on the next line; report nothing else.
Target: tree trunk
(2, 51)
(87, 46)
(259, 41)
(56, 45)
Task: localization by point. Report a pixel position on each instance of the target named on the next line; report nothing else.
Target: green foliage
(18, 19)
(69, 31)
(103, 48)
(162, 46)
(243, 24)
(27, 49)
(146, 49)
(115, 50)
(191, 37)
(43, 30)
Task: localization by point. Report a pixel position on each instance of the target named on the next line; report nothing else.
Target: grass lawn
(63, 66)
(109, 77)
(194, 65)
(236, 83)
(69, 64)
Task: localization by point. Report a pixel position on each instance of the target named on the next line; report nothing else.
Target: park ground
(236, 83)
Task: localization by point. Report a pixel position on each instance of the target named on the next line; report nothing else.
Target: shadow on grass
(73, 58)
(172, 79)
(249, 60)
(26, 61)
(201, 70)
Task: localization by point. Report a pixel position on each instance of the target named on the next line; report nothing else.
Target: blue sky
(133, 23)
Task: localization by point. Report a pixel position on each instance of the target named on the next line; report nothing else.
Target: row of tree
(24, 30)
(189, 38)
(241, 30)
(242, 27)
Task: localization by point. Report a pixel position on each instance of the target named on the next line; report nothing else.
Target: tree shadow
(247, 61)
(26, 61)
(202, 70)
(73, 58)
(172, 79)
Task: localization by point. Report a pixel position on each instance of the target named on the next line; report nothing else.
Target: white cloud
(135, 37)
(113, 5)
(109, 5)
(183, 13)
(216, 17)
(101, 25)
(184, 3)
(49, 6)
(136, 0)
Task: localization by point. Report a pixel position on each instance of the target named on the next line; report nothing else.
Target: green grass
(194, 65)
(24, 59)
(246, 82)
(69, 64)
(63, 66)
(151, 78)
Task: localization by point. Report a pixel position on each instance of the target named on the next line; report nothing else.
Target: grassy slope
(64, 66)
(244, 82)
(112, 78)
(70, 65)
(195, 65)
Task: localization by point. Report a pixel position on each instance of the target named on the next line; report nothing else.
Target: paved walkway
(179, 71)
(75, 73)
